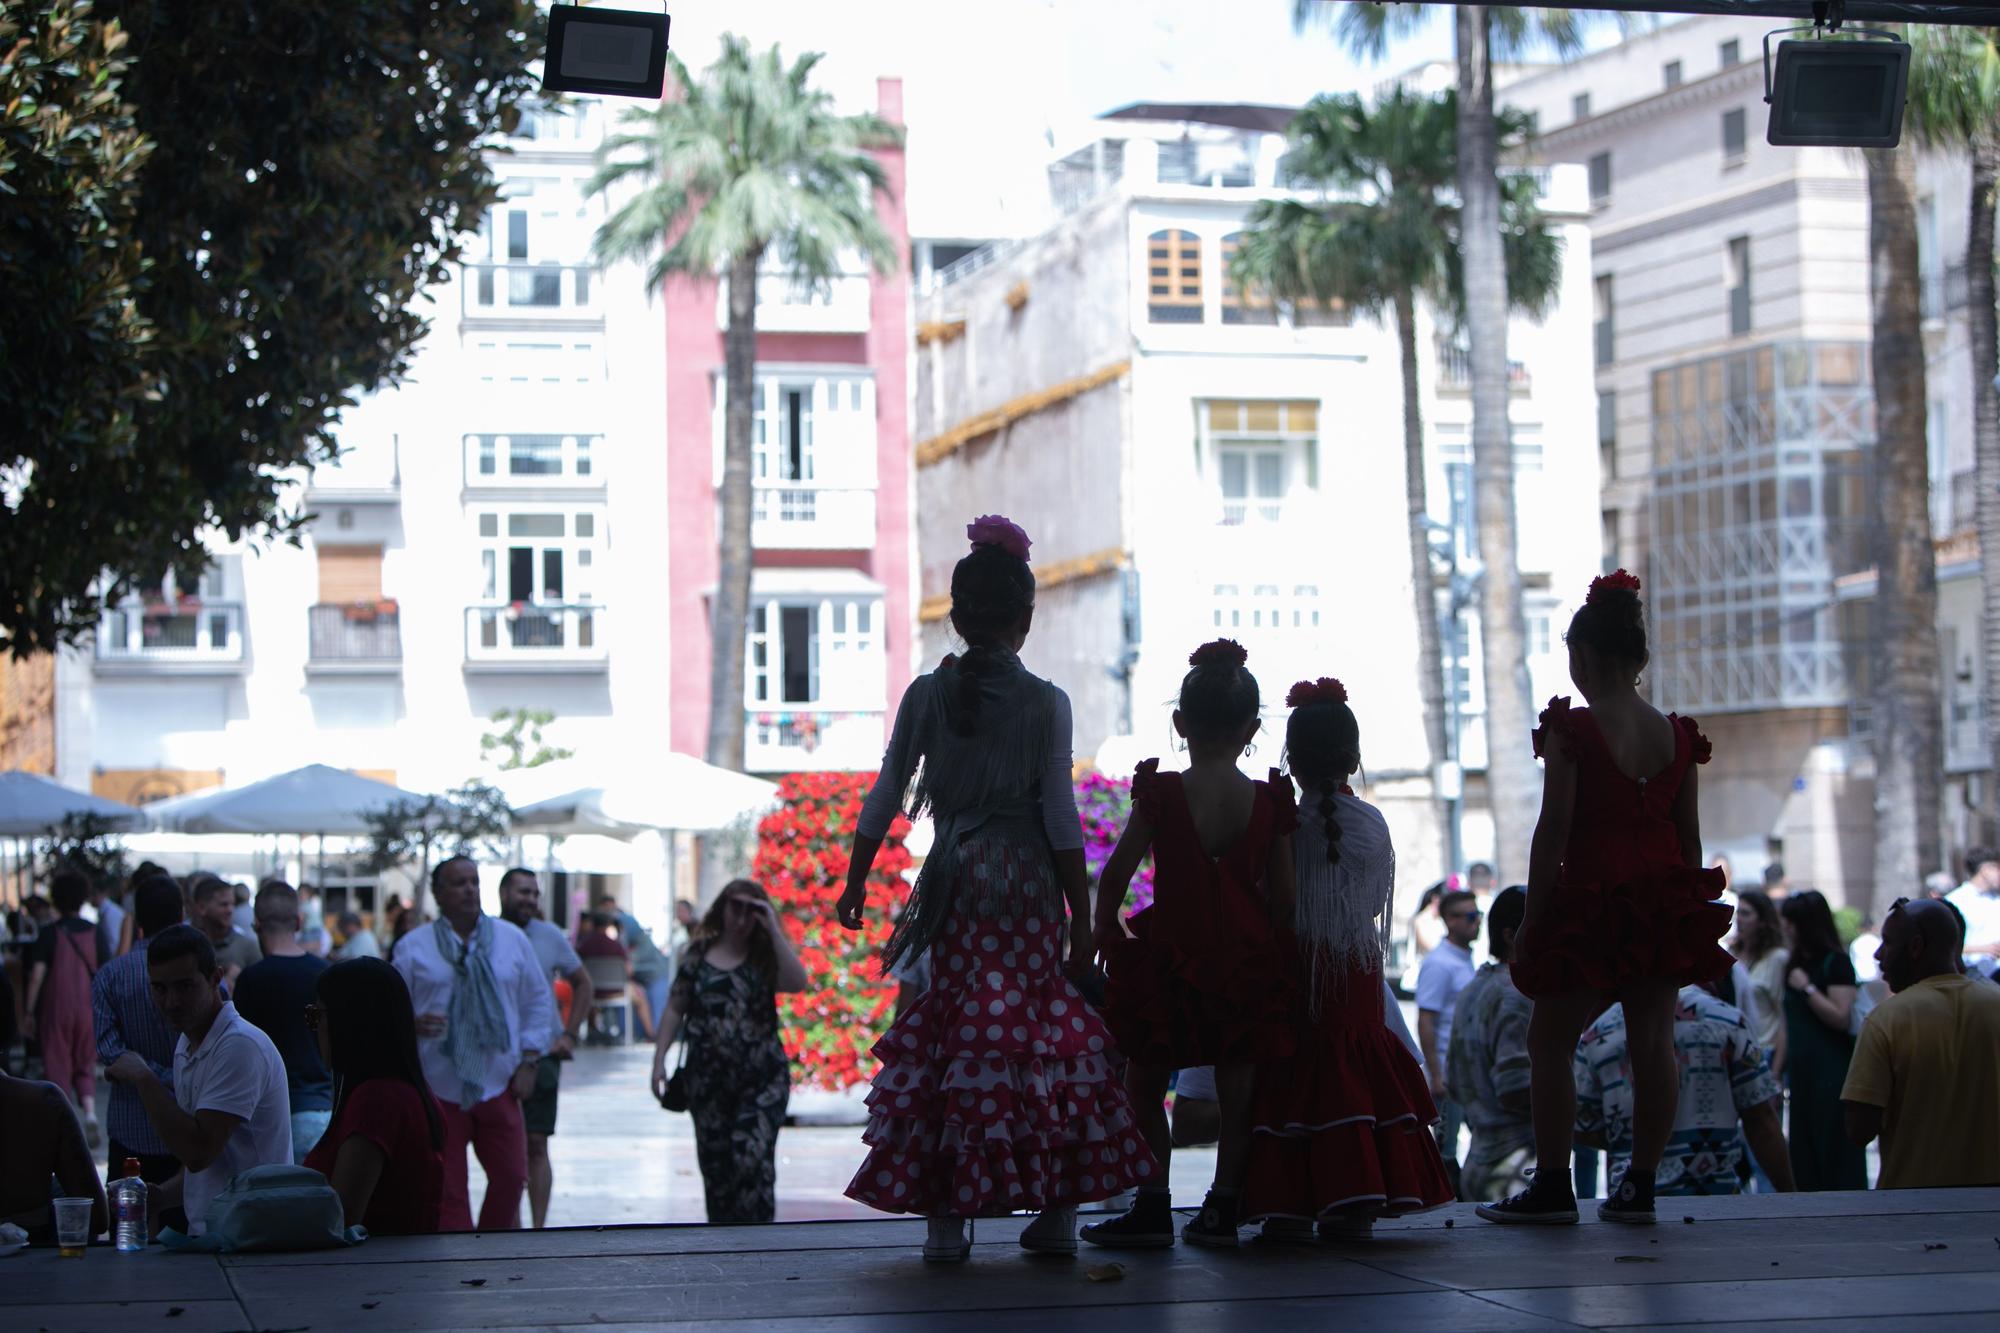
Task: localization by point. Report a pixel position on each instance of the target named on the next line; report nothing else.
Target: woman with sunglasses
(384, 1149)
(739, 1079)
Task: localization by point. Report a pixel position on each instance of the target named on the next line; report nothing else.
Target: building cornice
(1737, 79)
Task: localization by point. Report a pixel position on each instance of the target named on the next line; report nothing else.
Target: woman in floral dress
(738, 1076)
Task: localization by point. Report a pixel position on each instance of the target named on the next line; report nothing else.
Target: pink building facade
(832, 612)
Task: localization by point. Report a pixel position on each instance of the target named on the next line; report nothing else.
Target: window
(1731, 52)
(1737, 276)
(539, 226)
(1541, 634)
(1241, 305)
(1259, 456)
(782, 434)
(350, 574)
(1734, 136)
(541, 557)
(1607, 435)
(497, 459)
(1607, 522)
(1600, 179)
(1930, 271)
(1670, 74)
(537, 361)
(813, 651)
(1271, 607)
(1604, 311)
(1173, 287)
(1579, 106)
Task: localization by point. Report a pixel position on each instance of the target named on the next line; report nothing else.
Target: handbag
(274, 1207)
(675, 1098)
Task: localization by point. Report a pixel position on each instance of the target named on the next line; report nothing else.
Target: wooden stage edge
(1802, 1262)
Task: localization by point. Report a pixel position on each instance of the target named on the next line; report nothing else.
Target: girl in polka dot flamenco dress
(1619, 907)
(1342, 1129)
(1198, 981)
(995, 1092)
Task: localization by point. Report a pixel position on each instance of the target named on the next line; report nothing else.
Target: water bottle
(128, 1204)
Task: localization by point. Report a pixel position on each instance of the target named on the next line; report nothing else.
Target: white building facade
(1193, 465)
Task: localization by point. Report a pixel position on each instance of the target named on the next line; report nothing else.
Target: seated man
(228, 1109)
(43, 1138)
(1726, 1082)
(1926, 1070)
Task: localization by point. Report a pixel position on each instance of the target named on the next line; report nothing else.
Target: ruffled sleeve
(1555, 727)
(1284, 805)
(1146, 790)
(1698, 744)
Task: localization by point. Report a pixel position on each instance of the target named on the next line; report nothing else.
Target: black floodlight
(615, 52)
(1837, 94)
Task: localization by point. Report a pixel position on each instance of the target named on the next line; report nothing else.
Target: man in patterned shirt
(1726, 1080)
(1486, 1069)
(121, 1003)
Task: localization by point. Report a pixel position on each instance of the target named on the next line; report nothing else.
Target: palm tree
(748, 165)
(1954, 103)
(1387, 238)
(1513, 783)
(1904, 713)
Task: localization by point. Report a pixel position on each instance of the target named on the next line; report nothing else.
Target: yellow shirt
(1929, 1056)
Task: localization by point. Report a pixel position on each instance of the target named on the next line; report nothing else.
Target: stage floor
(1817, 1261)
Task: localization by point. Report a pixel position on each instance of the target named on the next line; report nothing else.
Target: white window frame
(1296, 448)
(580, 456)
(847, 640)
(579, 553)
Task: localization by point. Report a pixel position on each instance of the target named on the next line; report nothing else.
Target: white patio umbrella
(30, 804)
(314, 799)
(670, 792)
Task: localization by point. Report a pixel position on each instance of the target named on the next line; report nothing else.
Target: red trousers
(494, 1130)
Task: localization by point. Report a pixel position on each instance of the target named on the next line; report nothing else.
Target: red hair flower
(1618, 582)
(1001, 531)
(1226, 652)
(1325, 690)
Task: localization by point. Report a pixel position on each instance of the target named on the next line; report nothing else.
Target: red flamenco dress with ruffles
(1200, 980)
(1342, 1129)
(1626, 905)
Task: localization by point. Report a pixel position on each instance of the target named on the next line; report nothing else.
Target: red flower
(1001, 531)
(1619, 581)
(1703, 751)
(1226, 651)
(1324, 690)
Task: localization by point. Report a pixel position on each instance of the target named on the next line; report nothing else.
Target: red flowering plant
(1105, 805)
(801, 860)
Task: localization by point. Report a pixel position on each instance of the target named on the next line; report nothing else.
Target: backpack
(272, 1207)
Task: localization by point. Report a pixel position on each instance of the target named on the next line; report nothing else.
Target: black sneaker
(1215, 1225)
(1541, 1205)
(1148, 1226)
(1631, 1203)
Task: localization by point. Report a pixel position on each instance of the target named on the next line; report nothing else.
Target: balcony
(838, 305)
(567, 291)
(1251, 512)
(526, 636)
(805, 516)
(809, 738)
(1455, 371)
(185, 636)
(356, 638)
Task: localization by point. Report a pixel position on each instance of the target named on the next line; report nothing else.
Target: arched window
(1242, 305)
(1173, 277)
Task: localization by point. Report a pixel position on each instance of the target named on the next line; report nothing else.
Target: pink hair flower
(1616, 582)
(1228, 652)
(1325, 690)
(1001, 531)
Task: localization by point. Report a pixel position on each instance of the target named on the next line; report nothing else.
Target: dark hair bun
(1612, 620)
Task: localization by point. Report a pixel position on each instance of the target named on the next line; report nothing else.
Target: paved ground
(1796, 1262)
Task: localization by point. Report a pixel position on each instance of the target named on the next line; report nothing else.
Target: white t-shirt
(1446, 971)
(238, 1071)
(1981, 911)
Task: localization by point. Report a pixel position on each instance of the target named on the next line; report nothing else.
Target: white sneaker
(1054, 1232)
(947, 1242)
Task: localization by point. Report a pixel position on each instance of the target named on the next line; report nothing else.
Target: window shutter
(349, 574)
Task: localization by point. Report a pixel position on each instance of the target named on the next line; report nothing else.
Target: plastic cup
(72, 1227)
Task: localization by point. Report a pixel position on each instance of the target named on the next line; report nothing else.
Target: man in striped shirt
(121, 1001)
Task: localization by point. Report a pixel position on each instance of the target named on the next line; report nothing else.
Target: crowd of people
(228, 1045)
(1593, 1010)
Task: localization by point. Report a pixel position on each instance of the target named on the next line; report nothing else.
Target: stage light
(617, 52)
(1837, 94)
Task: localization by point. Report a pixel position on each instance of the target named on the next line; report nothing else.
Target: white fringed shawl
(1344, 906)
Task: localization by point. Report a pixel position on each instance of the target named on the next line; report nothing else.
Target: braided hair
(1219, 696)
(1612, 620)
(1322, 746)
(991, 590)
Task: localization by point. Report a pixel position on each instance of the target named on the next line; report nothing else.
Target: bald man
(1926, 1070)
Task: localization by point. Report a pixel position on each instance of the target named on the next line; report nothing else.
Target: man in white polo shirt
(228, 1110)
(485, 1013)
